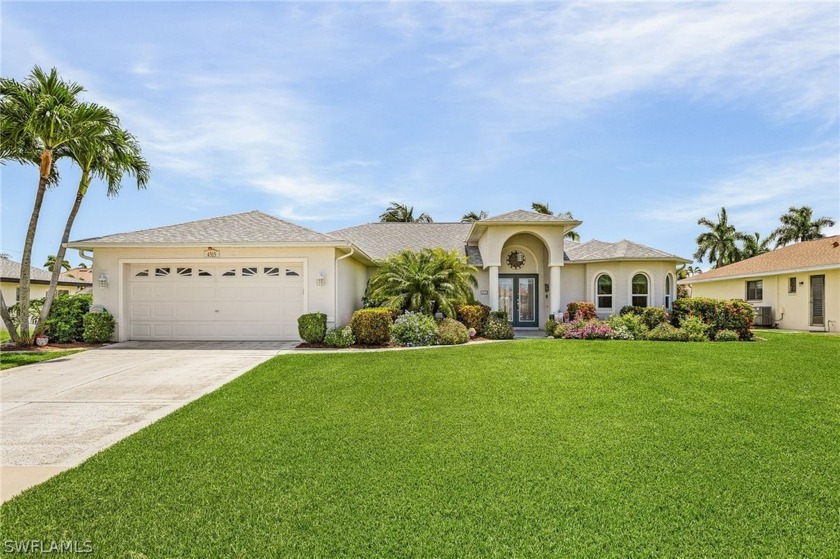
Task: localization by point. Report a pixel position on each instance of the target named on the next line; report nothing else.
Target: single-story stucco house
(796, 287)
(249, 276)
(39, 282)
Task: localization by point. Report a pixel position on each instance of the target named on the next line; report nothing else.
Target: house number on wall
(211, 253)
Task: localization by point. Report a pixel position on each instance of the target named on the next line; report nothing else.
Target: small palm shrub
(498, 329)
(472, 316)
(695, 329)
(414, 329)
(666, 333)
(372, 326)
(452, 332)
(727, 336)
(581, 310)
(339, 337)
(98, 327)
(628, 326)
(312, 327)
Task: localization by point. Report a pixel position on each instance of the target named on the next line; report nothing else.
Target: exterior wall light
(321, 280)
(103, 279)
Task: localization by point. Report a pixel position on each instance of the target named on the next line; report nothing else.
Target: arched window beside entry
(604, 291)
(640, 291)
(669, 290)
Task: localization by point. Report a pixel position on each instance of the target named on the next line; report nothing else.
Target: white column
(554, 289)
(494, 288)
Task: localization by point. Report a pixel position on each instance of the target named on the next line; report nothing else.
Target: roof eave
(698, 279)
(479, 226)
(631, 259)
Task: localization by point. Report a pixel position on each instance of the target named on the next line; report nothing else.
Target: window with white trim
(669, 283)
(755, 290)
(640, 291)
(604, 291)
(791, 285)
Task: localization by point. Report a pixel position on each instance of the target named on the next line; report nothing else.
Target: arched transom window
(640, 290)
(604, 289)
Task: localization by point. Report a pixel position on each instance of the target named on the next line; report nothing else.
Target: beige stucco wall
(791, 310)
(115, 262)
(622, 273)
(351, 283)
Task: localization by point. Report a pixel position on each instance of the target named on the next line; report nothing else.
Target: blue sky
(638, 118)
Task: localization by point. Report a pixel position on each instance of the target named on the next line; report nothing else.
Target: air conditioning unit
(764, 317)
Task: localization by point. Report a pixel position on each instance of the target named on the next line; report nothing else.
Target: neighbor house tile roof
(10, 271)
(524, 215)
(821, 253)
(380, 240)
(594, 251)
(244, 228)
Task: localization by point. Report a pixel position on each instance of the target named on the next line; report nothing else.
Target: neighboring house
(796, 287)
(83, 274)
(249, 276)
(39, 281)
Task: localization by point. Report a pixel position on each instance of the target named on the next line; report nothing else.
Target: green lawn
(530, 448)
(13, 359)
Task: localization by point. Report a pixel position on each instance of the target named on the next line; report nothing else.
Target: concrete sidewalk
(56, 414)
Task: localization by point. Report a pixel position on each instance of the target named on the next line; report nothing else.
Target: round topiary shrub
(312, 327)
(452, 332)
(340, 337)
(414, 329)
(498, 329)
(727, 336)
(372, 326)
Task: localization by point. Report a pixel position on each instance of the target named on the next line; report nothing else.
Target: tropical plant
(414, 329)
(38, 116)
(687, 270)
(50, 263)
(542, 208)
(427, 281)
(402, 213)
(718, 243)
(753, 245)
(470, 217)
(798, 224)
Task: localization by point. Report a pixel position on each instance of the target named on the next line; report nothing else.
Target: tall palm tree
(50, 263)
(403, 213)
(471, 217)
(687, 270)
(798, 225)
(718, 242)
(427, 281)
(753, 245)
(41, 113)
(542, 208)
(108, 157)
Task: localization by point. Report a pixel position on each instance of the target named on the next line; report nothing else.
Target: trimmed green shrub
(550, 326)
(727, 336)
(719, 314)
(452, 332)
(66, 321)
(472, 316)
(339, 337)
(98, 327)
(414, 329)
(666, 333)
(652, 316)
(498, 328)
(582, 310)
(312, 327)
(372, 326)
(628, 326)
(501, 315)
(695, 329)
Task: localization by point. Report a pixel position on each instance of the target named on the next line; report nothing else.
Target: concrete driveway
(56, 414)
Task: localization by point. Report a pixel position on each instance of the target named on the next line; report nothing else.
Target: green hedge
(312, 327)
(339, 337)
(651, 316)
(472, 316)
(372, 326)
(66, 322)
(719, 314)
(99, 327)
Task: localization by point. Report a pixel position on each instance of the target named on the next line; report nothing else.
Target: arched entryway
(521, 275)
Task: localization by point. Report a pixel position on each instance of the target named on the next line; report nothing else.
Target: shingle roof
(596, 250)
(380, 240)
(820, 253)
(244, 228)
(10, 270)
(524, 215)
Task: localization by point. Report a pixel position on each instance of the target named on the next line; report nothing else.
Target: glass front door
(518, 298)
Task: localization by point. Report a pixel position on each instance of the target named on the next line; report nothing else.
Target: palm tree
(427, 281)
(798, 225)
(542, 208)
(718, 242)
(107, 156)
(471, 217)
(40, 114)
(687, 270)
(50, 263)
(753, 245)
(82, 266)
(402, 213)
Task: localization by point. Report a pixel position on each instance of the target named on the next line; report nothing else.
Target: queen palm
(50, 264)
(471, 217)
(718, 243)
(542, 208)
(798, 224)
(41, 114)
(753, 245)
(427, 281)
(403, 213)
(108, 157)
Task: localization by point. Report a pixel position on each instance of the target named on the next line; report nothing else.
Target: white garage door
(215, 302)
